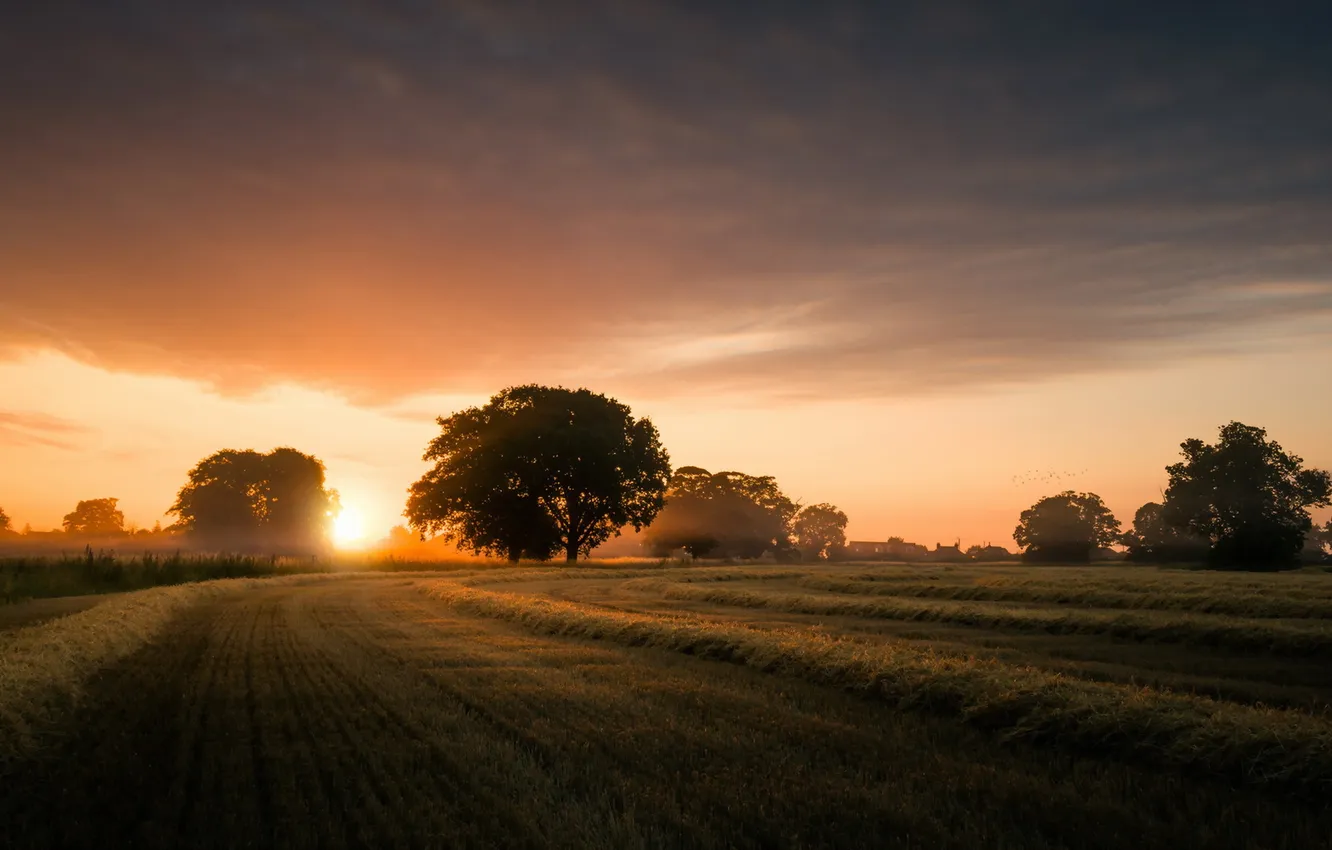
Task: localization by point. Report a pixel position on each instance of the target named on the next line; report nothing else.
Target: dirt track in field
(360, 713)
(36, 611)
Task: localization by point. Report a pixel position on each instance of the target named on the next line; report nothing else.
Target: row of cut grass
(682, 575)
(43, 668)
(1259, 636)
(1217, 601)
(1255, 745)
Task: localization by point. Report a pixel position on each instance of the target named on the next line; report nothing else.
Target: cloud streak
(39, 429)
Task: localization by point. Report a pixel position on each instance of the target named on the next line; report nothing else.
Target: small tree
(820, 531)
(1246, 496)
(5, 523)
(540, 469)
(94, 517)
(1155, 541)
(1317, 544)
(1066, 528)
(725, 513)
(249, 500)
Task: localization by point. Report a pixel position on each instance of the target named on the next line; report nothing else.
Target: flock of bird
(1045, 476)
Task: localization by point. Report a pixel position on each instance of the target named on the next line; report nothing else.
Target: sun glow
(348, 528)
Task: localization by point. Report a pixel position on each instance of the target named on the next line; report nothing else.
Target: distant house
(946, 554)
(866, 549)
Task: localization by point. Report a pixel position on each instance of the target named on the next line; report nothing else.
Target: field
(643, 705)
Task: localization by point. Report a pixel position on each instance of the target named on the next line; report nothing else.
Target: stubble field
(641, 706)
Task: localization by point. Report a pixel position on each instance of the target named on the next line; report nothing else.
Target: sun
(348, 528)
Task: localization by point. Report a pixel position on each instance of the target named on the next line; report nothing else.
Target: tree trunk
(571, 551)
(514, 553)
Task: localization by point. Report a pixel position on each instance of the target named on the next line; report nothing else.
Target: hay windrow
(1234, 602)
(44, 668)
(1254, 745)
(1254, 636)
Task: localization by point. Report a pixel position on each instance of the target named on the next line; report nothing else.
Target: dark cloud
(788, 197)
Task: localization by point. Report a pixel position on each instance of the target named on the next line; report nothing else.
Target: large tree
(820, 531)
(725, 513)
(95, 517)
(538, 470)
(1155, 541)
(246, 500)
(1066, 528)
(1246, 496)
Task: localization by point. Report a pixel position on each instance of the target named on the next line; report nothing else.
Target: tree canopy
(1246, 496)
(1067, 527)
(728, 514)
(538, 470)
(93, 517)
(5, 521)
(248, 500)
(1153, 540)
(820, 531)
(1321, 538)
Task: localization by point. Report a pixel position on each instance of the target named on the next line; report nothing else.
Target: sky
(926, 261)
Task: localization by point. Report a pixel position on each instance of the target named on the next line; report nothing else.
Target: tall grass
(1255, 745)
(106, 572)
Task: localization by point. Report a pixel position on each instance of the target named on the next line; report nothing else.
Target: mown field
(636, 705)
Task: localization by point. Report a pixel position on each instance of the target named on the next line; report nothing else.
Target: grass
(41, 577)
(651, 704)
(1210, 600)
(1300, 639)
(105, 571)
(43, 668)
(342, 711)
(1018, 703)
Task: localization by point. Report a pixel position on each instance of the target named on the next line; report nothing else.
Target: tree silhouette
(245, 500)
(95, 517)
(1246, 496)
(986, 552)
(4, 521)
(1155, 541)
(1066, 528)
(820, 531)
(1322, 538)
(726, 513)
(1317, 544)
(538, 470)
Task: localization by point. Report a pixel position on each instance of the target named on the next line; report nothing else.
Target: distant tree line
(91, 518)
(540, 471)
(1240, 503)
(233, 501)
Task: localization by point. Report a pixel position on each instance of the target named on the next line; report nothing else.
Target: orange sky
(929, 468)
(926, 261)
